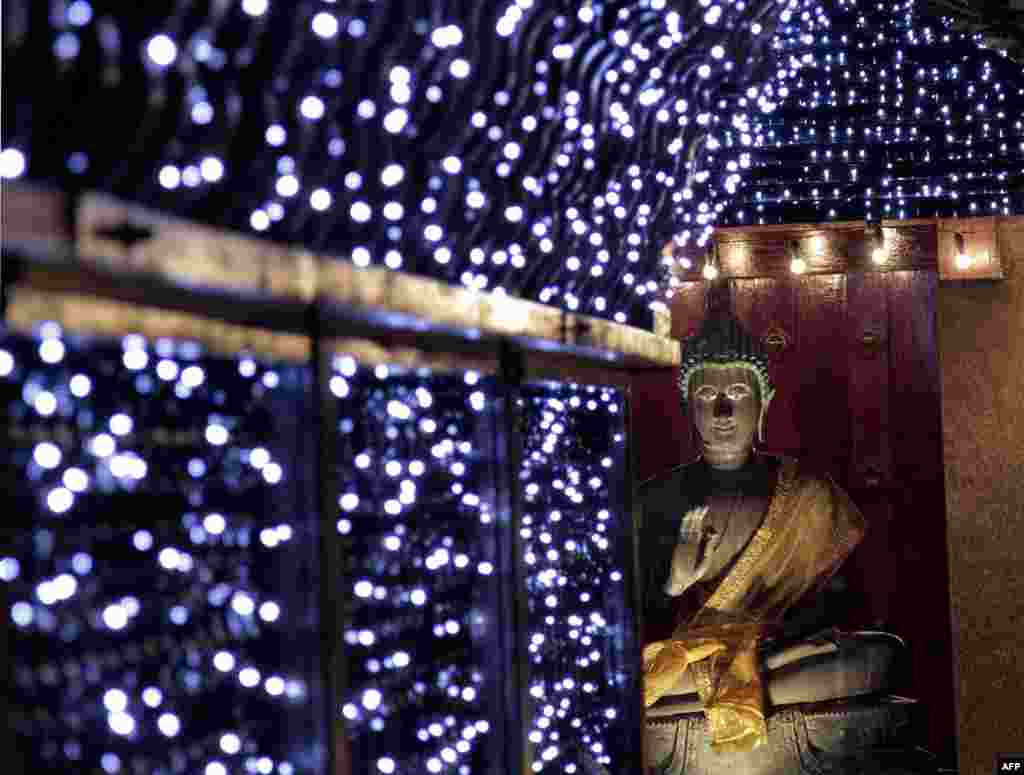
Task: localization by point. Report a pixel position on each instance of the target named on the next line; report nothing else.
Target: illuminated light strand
(570, 528)
(558, 183)
(203, 609)
(422, 583)
(894, 116)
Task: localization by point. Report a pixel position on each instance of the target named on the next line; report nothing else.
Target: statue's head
(724, 384)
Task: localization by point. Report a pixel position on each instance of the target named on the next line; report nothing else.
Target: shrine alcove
(855, 360)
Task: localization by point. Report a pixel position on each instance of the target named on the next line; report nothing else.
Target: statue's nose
(723, 406)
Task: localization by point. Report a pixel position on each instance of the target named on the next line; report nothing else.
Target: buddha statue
(741, 672)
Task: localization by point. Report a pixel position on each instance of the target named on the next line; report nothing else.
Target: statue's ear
(762, 421)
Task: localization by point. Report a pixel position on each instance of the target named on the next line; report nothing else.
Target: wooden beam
(750, 252)
(202, 256)
(135, 255)
(539, 366)
(980, 244)
(97, 316)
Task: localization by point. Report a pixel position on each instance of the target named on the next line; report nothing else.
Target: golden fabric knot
(728, 682)
(665, 662)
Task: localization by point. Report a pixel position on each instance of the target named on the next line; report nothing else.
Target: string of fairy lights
(542, 150)
(420, 538)
(895, 116)
(539, 150)
(418, 525)
(155, 516)
(154, 629)
(574, 542)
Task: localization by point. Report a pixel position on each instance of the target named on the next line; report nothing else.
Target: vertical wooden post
(624, 496)
(331, 592)
(512, 610)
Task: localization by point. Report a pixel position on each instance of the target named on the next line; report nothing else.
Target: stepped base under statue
(866, 736)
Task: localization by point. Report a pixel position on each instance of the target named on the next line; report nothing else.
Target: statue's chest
(736, 517)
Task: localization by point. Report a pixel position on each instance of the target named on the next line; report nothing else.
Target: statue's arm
(694, 550)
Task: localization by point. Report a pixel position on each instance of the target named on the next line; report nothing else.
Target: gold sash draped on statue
(810, 528)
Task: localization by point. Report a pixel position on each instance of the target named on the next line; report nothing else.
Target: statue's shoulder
(805, 473)
(666, 486)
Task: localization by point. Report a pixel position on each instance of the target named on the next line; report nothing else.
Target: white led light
(312, 107)
(161, 50)
(152, 697)
(121, 424)
(115, 700)
(372, 699)
(168, 724)
(269, 611)
(249, 677)
(224, 661)
(217, 435)
(242, 604)
(192, 377)
(325, 25)
(259, 220)
(396, 120)
(274, 686)
(51, 350)
(60, 500)
(12, 163)
(287, 185)
(446, 37)
(255, 7)
(47, 455)
(121, 724)
(214, 524)
(115, 616)
(212, 169)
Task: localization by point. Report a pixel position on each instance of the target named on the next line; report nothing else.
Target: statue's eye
(738, 392)
(706, 393)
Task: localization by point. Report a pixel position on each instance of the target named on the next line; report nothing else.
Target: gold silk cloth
(810, 528)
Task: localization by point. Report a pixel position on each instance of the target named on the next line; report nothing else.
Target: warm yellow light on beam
(963, 258)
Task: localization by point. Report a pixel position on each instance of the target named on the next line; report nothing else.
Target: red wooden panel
(687, 309)
(662, 436)
(867, 346)
(920, 610)
(868, 571)
(770, 306)
(687, 315)
(821, 401)
(869, 467)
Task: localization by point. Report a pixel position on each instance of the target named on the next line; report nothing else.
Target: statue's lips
(724, 429)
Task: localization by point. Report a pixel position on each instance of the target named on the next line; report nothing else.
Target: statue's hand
(692, 555)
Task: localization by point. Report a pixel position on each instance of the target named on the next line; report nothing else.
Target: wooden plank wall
(981, 338)
(858, 394)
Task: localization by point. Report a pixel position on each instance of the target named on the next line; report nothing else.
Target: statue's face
(726, 407)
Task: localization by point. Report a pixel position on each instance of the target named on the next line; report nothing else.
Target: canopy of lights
(543, 150)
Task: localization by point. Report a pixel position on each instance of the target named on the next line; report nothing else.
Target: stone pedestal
(865, 736)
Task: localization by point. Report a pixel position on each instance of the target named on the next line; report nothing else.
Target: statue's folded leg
(814, 671)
